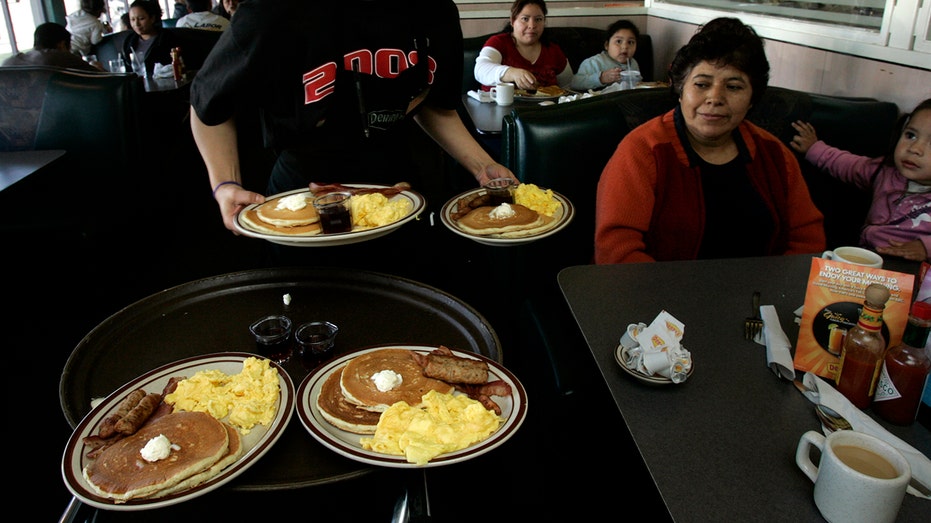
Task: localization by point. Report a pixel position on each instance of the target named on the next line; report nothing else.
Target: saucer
(643, 378)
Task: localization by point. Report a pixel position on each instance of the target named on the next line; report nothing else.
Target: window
(865, 14)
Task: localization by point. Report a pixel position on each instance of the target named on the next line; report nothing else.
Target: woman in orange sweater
(700, 181)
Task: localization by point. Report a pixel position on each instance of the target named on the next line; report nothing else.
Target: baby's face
(622, 45)
(913, 151)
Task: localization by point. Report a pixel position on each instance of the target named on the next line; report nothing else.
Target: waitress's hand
(495, 170)
(232, 198)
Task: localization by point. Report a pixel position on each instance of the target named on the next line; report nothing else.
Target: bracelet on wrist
(221, 184)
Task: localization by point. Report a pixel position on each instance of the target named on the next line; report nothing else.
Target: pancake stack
(285, 215)
(350, 400)
(485, 221)
(202, 447)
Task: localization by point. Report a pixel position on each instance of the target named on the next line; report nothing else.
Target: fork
(753, 325)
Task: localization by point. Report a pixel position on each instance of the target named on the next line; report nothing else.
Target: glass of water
(117, 66)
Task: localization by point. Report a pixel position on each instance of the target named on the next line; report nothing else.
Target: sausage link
(140, 413)
(108, 425)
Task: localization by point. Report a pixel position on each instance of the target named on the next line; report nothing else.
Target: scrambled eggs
(443, 423)
(375, 210)
(248, 398)
(533, 197)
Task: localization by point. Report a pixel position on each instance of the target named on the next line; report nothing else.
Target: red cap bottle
(905, 371)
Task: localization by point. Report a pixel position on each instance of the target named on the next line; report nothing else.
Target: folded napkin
(778, 348)
(862, 422)
(163, 71)
(481, 96)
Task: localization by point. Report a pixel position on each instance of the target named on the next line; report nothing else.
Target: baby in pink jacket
(899, 219)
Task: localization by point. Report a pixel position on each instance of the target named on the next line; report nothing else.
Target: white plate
(540, 97)
(649, 380)
(255, 444)
(562, 217)
(418, 203)
(513, 410)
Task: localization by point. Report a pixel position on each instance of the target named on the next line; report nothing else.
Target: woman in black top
(148, 38)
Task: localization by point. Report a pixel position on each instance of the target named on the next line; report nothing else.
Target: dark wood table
(720, 446)
(487, 117)
(213, 315)
(18, 165)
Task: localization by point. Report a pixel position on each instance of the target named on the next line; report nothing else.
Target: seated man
(52, 46)
(200, 17)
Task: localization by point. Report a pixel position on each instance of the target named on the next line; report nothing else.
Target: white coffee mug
(855, 255)
(860, 478)
(503, 93)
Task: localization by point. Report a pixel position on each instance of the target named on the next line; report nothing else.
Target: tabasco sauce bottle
(905, 371)
(864, 347)
(177, 63)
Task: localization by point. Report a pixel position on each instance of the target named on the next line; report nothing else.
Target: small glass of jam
(500, 190)
(316, 339)
(334, 211)
(273, 337)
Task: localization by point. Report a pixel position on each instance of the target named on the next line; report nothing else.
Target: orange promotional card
(833, 301)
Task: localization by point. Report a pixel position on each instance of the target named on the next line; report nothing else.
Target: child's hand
(913, 250)
(805, 138)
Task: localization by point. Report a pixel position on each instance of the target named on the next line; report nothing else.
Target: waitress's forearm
(218, 147)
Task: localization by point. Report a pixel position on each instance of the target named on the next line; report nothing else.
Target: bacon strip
(323, 188)
(468, 203)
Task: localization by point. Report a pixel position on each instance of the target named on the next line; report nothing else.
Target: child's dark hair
(889, 157)
(619, 25)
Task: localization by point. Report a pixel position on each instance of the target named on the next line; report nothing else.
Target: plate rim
(567, 217)
(534, 98)
(323, 431)
(74, 478)
(341, 238)
(650, 380)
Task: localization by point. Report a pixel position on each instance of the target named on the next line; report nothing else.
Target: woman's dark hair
(723, 41)
(94, 7)
(619, 25)
(519, 6)
(150, 7)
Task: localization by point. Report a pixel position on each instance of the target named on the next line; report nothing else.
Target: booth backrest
(578, 43)
(565, 147)
(195, 45)
(93, 116)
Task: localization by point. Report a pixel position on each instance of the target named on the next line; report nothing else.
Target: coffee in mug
(855, 255)
(860, 478)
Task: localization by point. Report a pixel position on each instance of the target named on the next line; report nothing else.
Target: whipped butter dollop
(295, 202)
(501, 212)
(157, 448)
(386, 380)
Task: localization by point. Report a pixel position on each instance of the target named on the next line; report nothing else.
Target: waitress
(338, 93)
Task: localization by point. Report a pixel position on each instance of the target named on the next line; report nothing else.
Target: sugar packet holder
(656, 349)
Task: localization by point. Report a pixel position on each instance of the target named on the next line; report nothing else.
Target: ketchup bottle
(864, 347)
(905, 371)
